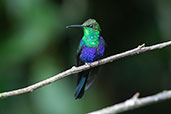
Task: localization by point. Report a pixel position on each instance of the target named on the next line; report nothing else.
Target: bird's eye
(91, 26)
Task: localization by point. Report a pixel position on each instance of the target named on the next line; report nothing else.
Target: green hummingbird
(90, 49)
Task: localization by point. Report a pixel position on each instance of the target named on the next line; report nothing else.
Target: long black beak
(74, 26)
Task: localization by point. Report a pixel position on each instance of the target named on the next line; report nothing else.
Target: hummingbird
(90, 49)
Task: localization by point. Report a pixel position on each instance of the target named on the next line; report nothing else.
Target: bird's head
(91, 32)
(89, 26)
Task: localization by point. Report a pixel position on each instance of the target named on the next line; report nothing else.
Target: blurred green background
(35, 45)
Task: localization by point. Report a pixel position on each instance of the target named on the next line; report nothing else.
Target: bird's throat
(91, 38)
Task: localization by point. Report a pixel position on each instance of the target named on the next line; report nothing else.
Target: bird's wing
(91, 77)
(79, 62)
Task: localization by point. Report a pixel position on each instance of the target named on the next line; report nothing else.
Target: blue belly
(90, 54)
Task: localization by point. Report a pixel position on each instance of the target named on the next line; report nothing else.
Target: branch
(74, 70)
(134, 103)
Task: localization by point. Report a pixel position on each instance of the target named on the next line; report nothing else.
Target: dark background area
(35, 45)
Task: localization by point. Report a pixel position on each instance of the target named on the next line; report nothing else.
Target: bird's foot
(99, 62)
(89, 64)
(74, 67)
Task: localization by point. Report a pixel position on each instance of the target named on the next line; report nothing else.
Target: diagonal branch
(134, 103)
(74, 70)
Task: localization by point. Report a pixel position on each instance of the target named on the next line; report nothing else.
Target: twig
(74, 70)
(134, 102)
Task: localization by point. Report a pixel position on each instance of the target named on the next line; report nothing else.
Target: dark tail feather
(80, 87)
(91, 77)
